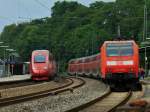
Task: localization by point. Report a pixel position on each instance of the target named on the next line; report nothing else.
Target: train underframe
(41, 78)
(46, 77)
(120, 81)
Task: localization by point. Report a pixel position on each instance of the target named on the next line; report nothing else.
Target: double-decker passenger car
(43, 65)
(85, 66)
(120, 62)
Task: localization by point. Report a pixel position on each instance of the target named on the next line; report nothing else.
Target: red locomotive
(120, 62)
(42, 66)
(117, 63)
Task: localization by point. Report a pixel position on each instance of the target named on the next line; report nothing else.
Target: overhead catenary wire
(43, 5)
(27, 11)
(7, 18)
(25, 18)
(19, 17)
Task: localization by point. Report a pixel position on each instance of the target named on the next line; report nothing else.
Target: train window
(76, 61)
(97, 57)
(83, 60)
(80, 61)
(115, 49)
(93, 59)
(87, 60)
(39, 59)
(71, 62)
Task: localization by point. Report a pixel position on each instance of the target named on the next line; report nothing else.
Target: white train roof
(83, 58)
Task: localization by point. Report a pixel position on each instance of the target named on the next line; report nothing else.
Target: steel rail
(102, 103)
(71, 87)
(17, 99)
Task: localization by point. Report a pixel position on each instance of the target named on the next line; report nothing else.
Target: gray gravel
(147, 91)
(63, 102)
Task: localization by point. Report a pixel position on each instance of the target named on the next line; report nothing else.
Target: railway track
(73, 83)
(109, 101)
(106, 103)
(136, 103)
(77, 82)
(7, 85)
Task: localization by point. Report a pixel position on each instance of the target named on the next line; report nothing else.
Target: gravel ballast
(60, 103)
(23, 90)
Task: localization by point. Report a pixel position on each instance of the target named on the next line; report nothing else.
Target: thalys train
(116, 64)
(42, 65)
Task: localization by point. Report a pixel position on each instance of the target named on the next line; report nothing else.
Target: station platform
(15, 78)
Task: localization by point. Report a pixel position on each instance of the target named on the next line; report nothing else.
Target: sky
(16, 11)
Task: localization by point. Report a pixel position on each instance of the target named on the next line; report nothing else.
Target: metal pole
(9, 65)
(4, 71)
(12, 68)
(119, 34)
(144, 24)
(145, 62)
(145, 21)
(4, 62)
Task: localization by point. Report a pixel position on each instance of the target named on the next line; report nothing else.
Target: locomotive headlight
(45, 67)
(128, 62)
(111, 63)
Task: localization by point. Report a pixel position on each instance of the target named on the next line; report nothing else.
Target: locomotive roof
(35, 51)
(38, 51)
(41, 50)
(121, 41)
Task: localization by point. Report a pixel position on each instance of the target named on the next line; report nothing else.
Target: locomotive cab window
(119, 49)
(39, 59)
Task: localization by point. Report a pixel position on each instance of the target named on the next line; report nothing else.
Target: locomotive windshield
(39, 59)
(119, 49)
